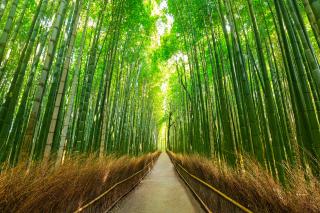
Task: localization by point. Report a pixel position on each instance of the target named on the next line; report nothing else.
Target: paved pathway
(161, 191)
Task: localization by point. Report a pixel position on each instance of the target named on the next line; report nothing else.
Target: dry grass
(253, 187)
(70, 186)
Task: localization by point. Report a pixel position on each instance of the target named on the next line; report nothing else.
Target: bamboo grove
(249, 83)
(82, 77)
(72, 79)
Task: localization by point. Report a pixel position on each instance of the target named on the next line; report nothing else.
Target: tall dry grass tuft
(75, 183)
(252, 186)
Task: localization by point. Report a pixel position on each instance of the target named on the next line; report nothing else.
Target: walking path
(161, 191)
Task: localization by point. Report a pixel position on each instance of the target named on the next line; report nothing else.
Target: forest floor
(161, 191)
(75, 183)
(253, 186)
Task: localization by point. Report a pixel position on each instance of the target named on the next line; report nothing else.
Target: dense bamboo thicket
(73, 79)
(248, 82)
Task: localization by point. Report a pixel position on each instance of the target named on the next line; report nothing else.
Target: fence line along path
(160, 191)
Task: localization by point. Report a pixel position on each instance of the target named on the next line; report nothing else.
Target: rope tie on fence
(226, 197)
(111, 188)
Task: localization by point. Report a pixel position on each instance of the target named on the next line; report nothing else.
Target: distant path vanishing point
(161, 191)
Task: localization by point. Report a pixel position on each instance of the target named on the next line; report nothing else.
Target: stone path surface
(161, 191)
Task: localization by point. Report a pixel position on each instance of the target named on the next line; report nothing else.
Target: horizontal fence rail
(207, 185)
(115, 186)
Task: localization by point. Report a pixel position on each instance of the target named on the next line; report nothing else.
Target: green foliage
(239, 92)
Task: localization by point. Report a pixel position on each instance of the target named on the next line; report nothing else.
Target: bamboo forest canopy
(75, 78)
(221, 78)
